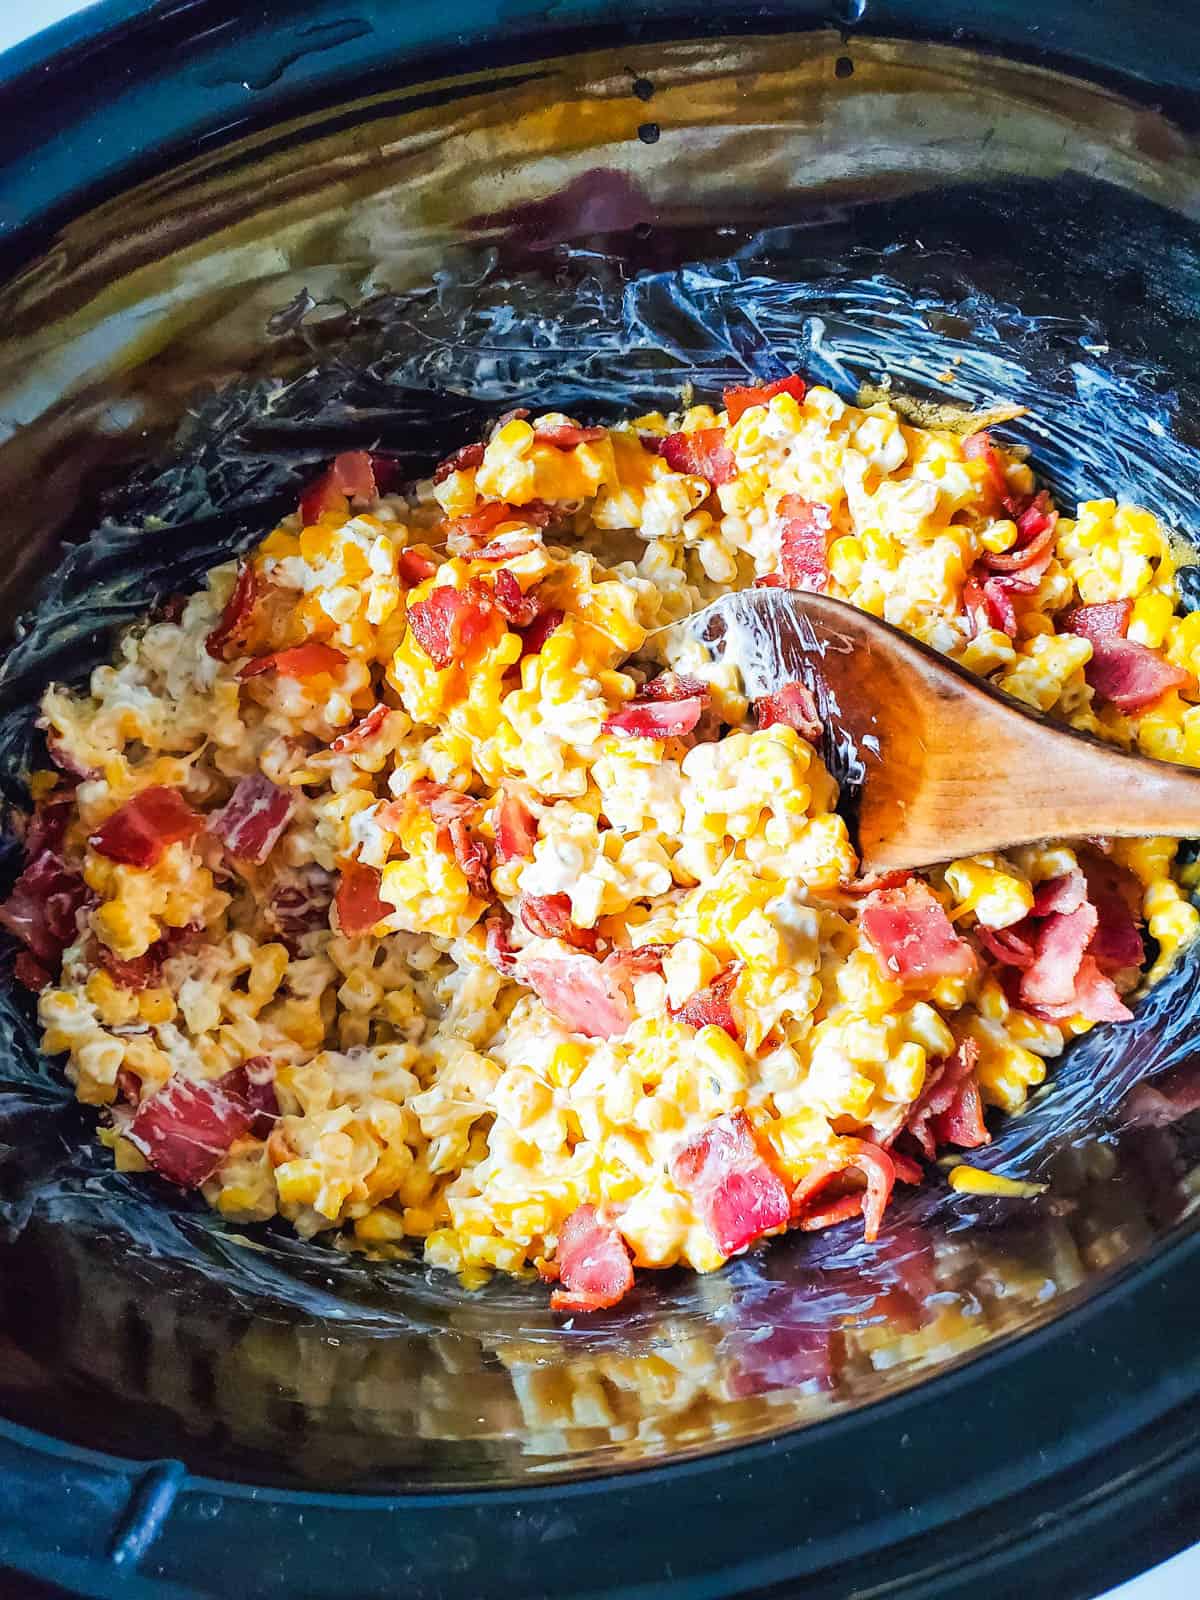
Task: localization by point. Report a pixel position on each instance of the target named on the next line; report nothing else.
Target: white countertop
(1178, 1579)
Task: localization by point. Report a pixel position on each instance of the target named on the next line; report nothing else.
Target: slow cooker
(234, 241)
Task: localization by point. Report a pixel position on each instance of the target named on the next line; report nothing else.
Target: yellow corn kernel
(846, 557)
(973, 1180)
(156, 1005)
(380, 1226)
(298, 1182)
(1151, 618)
(999, 536)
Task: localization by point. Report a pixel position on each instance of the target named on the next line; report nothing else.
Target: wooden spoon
(944, 765)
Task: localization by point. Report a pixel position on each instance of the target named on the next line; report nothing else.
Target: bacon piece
(42, 911)
(516, 826)
(507, 547)
(566, 435)
(471, 853)
(302, 661)
(712, 1007)
(475, 525)
(363, 731)
(1116, 895)
(633, 963)
(1013, 946)
(185, 1129)
(703, 454)
(1095, 997)
(228, 638)
(138, 833)
(464, 460)
(500, 950)
(769, 580)
(451, 621)
(979, 447)
(352, 476)
(738, 1195)
(1062, 940)
(873, 881)
(444, 804)
(1130, 675)
(414, 566)
(652, 442)
(1025, 558)
(251, 823)
(989, 604)
(659, 719)
(548, 916)
(1062, 894)
(1100, 621)
(539, 630)
(47, 826)
(253, 1083)
(803, 542)
(519, 609)
(171, 608)
(300, 905)
(580, 992)
(877, 1167)
(63, 759)
(594, 1268)
(357, 904)
(947, 1094)
(670, 686)
(738, 400)
(912, 935)
(793, 705)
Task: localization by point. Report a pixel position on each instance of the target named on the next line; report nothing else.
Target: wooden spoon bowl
(944, 765)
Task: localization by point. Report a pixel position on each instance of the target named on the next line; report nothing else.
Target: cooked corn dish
(415, 879)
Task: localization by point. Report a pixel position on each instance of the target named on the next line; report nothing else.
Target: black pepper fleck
(649, 132)
(843, 67)
(643, 88)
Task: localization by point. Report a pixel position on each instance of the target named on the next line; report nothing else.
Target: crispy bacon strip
(951, 1093)
(580, 992)
(793, 705)
(548, 916)
(565, 435)
(185, 1130)
(1105, 621)
(520, 609)
(516, 826)
(228, 639)
(253, 1083)
(594, 1268)
(539, 630)
(660, 719)
(302, 661)
(738, 400)
(671, 686)
(736, 1192)
(703, 454)
(500, 950)
(471, 853)
(252, 822)
(877, 1166)
(1130, 675)
(357, 904)
(912, 936)
(363, 731)
(979, 447)
(413, 566)
(351, 477)
(713, 1007)
(450, 622)
(803, 542)
(464, 460)
(139, 832)
(42, 911)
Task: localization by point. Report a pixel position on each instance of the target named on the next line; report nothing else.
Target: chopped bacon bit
(912, 936)
(29, 972)
(141, 830)
(413, 566)
(251, 823)
(739, 400)
(1130, 675)
(712, 1007)
(652, 442)
(516, 826)
(566, 435)
(581, 993)
(539, 630)
(1025, 558)
(641, 959)
(979, 447)
(738, 1195)
(357, 904)
(593, 1262)
(548, 916)
(1116, 895)
(302, 662)
(451, 621)
(47, 827)
(464, 460)
(475, 525)
(500, 950)
(659, 719)
(1062, 940)
(228, 638)
(185, 1129)
(444, 804)
(989, 604)
(803, 542)
(300, 905)
(703, 454)
(1095, 997)
(140, 973)
(1098, 622)
(770, 580)
(520, 609)
(42, 911)
(253, 1083)
(507, 547)
(471, 853)
(351, 476)
(946, 1094)
(64, 760)
(670, 686)
(1012, 946)
(363, 731)
(872, 881)
(907, 1171)
(793, 705)
(877, 1167)
(1063, 894)
(172, 608)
